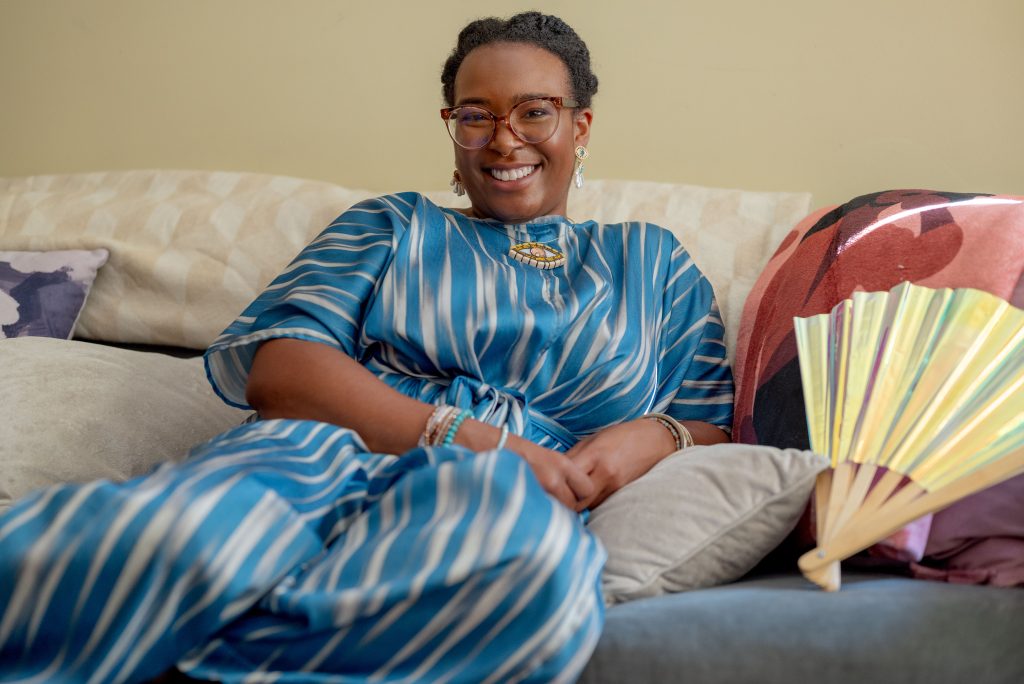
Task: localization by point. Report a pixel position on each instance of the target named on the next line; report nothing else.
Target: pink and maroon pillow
(872, 243)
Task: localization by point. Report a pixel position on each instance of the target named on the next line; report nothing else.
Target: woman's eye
(472, 118)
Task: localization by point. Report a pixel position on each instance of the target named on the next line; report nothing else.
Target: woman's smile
(513, 174)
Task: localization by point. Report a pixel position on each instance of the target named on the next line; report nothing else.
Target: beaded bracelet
(437, 425)
(680, 434)
(443, 424)
(454, 427)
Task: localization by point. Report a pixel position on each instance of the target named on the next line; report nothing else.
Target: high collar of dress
(540, 228)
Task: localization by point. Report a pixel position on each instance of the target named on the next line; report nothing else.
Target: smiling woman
(440, 397)
(520, 167)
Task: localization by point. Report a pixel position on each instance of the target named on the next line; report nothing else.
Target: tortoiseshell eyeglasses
(532, 121)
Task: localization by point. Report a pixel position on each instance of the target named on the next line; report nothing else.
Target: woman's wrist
(661, 439)
(681, 437)
(477, 435)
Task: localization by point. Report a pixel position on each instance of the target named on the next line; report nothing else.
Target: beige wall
(838, 98)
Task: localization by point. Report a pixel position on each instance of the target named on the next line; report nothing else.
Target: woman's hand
(619, 454)
(560, 477)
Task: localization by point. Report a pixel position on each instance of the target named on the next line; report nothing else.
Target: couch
(177, 254)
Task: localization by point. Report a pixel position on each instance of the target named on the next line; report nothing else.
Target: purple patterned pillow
(42, 293)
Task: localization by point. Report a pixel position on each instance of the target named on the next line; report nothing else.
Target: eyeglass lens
(533, 121)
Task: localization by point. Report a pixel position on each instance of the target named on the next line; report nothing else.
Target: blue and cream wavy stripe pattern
(429, 300)
(281, 551)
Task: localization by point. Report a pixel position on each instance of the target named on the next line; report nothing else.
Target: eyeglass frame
(557, 100)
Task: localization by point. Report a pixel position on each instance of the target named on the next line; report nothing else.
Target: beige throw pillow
(73, 411)
(703, 516)
(190, 249)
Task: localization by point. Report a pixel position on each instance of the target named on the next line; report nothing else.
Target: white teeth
(513, 174)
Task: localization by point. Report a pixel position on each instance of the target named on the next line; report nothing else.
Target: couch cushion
(75, 411)
(782, 629)
(190, 249)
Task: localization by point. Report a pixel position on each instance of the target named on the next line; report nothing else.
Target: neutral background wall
(838, 98)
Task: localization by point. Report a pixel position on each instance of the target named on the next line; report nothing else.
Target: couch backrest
(190, 249)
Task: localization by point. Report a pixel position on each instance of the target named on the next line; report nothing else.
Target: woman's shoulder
(658, 248)
(402, 205)
(653, 236)
(392, 213)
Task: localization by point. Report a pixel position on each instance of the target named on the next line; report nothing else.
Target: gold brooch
(537, 255)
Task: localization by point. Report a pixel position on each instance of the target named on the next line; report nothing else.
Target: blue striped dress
(285, 551)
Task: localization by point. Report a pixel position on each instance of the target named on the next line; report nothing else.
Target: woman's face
(497, 77)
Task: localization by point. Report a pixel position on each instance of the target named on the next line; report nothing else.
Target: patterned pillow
(43, 293)
(872, 243)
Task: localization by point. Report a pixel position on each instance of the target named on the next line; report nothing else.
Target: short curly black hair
(543, 30)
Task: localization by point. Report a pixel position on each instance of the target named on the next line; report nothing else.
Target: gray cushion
(703, 516)
(782, 629)
(74, 412)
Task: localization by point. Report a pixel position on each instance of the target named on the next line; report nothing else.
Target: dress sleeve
(321, 296)
(695, 380)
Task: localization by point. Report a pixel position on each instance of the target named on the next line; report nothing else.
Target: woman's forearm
(705, 433)
(307, 380)
(298, 379)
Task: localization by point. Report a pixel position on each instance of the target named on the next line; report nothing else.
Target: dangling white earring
(581, 154)
(457, 187)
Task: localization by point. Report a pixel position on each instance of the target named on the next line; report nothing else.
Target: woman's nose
(505, 141)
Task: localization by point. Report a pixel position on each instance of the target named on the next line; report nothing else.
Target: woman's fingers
(557, 474)
(579, 482)
(563, 479)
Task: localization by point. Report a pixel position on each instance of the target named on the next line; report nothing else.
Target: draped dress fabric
(283, 550)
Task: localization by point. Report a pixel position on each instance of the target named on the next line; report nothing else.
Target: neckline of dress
(533, 229)
(547, 219)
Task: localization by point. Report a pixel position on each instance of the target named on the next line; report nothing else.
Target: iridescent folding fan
(917, 397)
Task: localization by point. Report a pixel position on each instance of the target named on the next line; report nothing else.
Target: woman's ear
(581, 122)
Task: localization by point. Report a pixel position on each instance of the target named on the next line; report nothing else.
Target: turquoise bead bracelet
(450, 436)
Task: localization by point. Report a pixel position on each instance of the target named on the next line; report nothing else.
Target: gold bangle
(683, 438)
